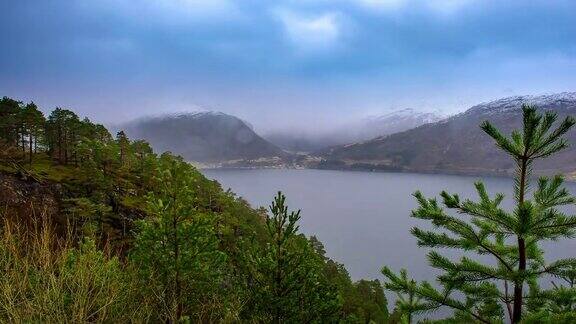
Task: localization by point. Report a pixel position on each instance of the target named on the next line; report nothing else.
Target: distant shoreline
(496, 174)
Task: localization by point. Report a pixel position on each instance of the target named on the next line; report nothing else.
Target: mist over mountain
(354, 131)
(457, 144)
(404, 140)
(203, 137)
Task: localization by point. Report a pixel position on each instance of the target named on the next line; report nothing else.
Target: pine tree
(9, 120)
(33, 124)
(124, 145)
(290, 283)
(409, 303)
(511, 238)
(62, 133)
(176, 249)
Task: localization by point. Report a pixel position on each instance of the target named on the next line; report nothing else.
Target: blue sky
(284, 62)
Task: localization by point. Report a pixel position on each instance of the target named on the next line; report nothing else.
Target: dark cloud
(291, 57)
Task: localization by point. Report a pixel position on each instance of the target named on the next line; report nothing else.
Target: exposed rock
(28, 202)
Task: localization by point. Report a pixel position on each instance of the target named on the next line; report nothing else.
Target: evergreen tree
(62, 130)
(371, 303)
(409, 303)
(289, 275)
(511, 238)
(33, 125)
(9, 120)
(362, 301)
(124, 146)
(177, 249)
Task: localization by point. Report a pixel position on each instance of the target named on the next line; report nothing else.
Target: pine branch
(558, 267)
(487, 209)
(426, 291)
(564, 127)
(431, 239)
(568, 222)
(531, 122)
(550, 193)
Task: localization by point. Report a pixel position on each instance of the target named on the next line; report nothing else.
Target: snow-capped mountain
(457, 144)
(514, 104)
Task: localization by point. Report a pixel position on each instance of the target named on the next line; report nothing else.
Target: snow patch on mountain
(407, 114)
(511, 104)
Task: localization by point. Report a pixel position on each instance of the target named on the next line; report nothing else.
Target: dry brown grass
(48, 279)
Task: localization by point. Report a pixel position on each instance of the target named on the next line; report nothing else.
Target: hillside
(296, 140)
(457, 144)
(207, 137)
(100, 229)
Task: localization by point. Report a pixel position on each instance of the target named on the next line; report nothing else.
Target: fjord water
(363, 218)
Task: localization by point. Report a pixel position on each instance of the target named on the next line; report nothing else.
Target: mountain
(457, 144)
(394, 122)
(206, 137)
(359, 130)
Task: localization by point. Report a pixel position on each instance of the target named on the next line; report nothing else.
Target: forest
(100, 228)
(140, 237)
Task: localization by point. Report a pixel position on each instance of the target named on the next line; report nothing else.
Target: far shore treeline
(99, 228)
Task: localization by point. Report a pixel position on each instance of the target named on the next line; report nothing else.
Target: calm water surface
(363, 218)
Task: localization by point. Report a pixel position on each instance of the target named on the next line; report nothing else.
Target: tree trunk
(278, 279)
(23, 144)
(518, 286)
(517, 315)
(65, 149)
(176, 265)
(59, 145)
(30, 148)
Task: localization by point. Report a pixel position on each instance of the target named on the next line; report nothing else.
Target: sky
(280, 63)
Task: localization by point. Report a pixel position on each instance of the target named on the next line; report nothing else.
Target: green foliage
(44, 279)
(362, 301)
(92, 215)
(9, 120)
(511, 238)
(32, 123)
(288, 274)
(408, 302)
(176, 248)
(112, 188)
(369, 302)
(187, 259)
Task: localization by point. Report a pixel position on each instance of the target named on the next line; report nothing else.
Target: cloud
(311, 33)
(333, 56)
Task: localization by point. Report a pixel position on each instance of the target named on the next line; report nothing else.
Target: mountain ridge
(203, 136)
(456, 144)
